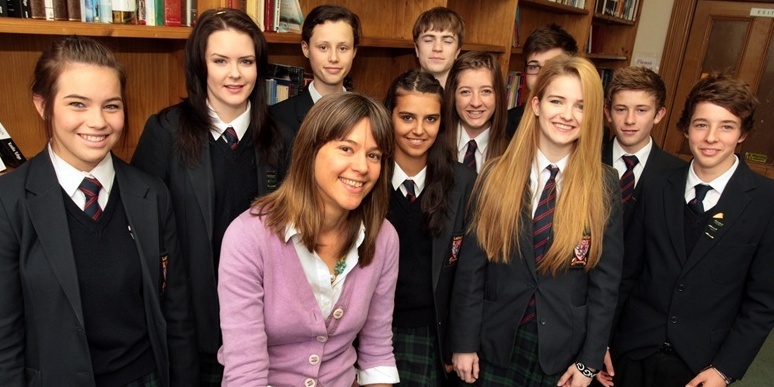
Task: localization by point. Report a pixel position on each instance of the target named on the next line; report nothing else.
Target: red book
(173, 13)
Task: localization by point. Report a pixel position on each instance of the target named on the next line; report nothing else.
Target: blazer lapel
(305, 103)
(442, 243)
(526, 242)
(203, 185)
(732, 203)
(674, 201)
(49, 218)
(141, 212)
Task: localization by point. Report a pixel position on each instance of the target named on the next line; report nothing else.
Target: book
(3, 8)
(19, 8)
(190, 12)
(73, 10)
(60, 10)
(173, 13)
(10, 155)
(290, 16)
(294, 76)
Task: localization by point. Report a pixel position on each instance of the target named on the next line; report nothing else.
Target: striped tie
(697, 203)
(470, 155)
(627, 180)
(411, 195)
(90, 187)
(541, 231)
(231, 138)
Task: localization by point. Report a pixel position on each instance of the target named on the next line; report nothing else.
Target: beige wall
(651, 33)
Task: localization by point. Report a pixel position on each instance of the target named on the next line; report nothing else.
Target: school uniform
(76, 291)
(426, 275)
(574, 308)
(206, 197)
(653, 163)
(514, 119)
(698, 287)
(480, 154)
(291, 112)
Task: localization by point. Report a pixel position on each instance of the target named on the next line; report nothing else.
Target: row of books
(606, 75)
(622, 9)
(171, 13)
(284, 81)
(273, 15)
(516, 89)
(573, 3)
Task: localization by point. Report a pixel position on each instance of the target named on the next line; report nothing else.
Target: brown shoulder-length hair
(195, 120)
(474, 60)
(583, 207)
(54, 60)
(297, 200)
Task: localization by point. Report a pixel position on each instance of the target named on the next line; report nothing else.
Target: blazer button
(322, 339)
(338, 313)
(309, 382)
(673, 319)
(680, 288)
(542, 321)
(314, 360)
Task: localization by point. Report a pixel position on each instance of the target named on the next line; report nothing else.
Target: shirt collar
(482, 140)
(542, 162)
(316, 94)
(240, 124)
(642, 154)
(399, 176)
(70, 178)
(720, 182)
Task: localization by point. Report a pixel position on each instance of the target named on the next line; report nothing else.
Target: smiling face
(632, 115)
(346, 170)
(87, 115)
(713, 134)
(560, 115)
(475, 100)
(330, 50)
(416, 119)
(436, 51)
(231, 72)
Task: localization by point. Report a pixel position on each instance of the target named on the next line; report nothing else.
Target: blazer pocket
(32, 377)
(456, 243)
(163, 265)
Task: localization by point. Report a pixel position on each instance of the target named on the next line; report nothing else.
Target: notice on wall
(762, 12)
(649, 61)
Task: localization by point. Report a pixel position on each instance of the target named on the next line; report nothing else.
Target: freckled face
(346, 170)
(88, 114)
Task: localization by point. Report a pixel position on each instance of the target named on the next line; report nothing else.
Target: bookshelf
(153, 56)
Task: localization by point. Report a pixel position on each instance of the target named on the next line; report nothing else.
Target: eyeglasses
(533, 68)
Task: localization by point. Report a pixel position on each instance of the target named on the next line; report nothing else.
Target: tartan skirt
(416, 355)
(524, 369)
(149, 380)
(210, 371)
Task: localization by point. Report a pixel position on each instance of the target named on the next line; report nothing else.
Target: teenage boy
(634, 103)
(438, 35)
(542, 44)
(697, 294)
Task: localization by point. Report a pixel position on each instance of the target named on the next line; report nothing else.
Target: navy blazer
(659, 163)
(193, 195)
(716, 305)
(575, 308)
(291, 112)
(42, 338)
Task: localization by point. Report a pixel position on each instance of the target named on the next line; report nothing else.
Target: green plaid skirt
(524, 369)
(149, 380)
(416, 355)
(210, 371)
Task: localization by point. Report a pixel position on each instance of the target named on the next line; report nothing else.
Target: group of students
(331, 239)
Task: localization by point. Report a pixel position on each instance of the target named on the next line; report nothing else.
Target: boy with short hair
(438, 35)
(634, 103)
(697, 295)
(542, 44)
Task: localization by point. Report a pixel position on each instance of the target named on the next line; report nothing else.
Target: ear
(354, 52)
(607, 114)
(40, 104)
(536, 106)
(659, 115)
(744, 137)
(305, 49)
(458, 53)
(416, 50)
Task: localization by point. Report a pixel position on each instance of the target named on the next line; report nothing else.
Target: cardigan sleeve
(240, 289)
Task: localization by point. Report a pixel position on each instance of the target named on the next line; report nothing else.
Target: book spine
(3, 8)
(73, 10)
(172, 13)
(19, 8)
(9, 152)
(142, 14)
(160, 14)
(60, 10)
(124, 11)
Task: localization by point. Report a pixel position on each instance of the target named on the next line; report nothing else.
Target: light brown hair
(439, 19)
(640, 79)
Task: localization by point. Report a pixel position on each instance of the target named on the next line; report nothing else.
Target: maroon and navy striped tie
(627, 180)
(90, 187)
(411, 195)
(470, 155)
(231, 138)
(541, 231)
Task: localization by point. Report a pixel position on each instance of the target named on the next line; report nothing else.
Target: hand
(466, 366)
(605, 376)
(448, 368)
(707, 378)
(573, 378)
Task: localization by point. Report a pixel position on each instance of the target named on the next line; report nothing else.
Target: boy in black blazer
(697, 294)
(634, 103)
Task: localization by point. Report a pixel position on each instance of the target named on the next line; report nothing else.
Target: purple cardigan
(273, 330)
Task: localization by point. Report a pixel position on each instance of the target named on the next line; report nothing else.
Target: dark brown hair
(54, 60)
(296, 201)
(726, 91)
(640, 79)
(440, 19)
(330, 13)
(549, 37)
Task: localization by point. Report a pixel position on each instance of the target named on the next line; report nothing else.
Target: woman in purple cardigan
(313, 266)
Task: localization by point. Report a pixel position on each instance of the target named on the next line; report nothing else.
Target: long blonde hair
(503, 205)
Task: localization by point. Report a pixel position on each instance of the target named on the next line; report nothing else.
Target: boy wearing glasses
(542, 44)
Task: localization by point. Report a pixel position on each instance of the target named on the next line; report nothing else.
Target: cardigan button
(322, 339)
(338, 313)
(309, 382)
(314, 360)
